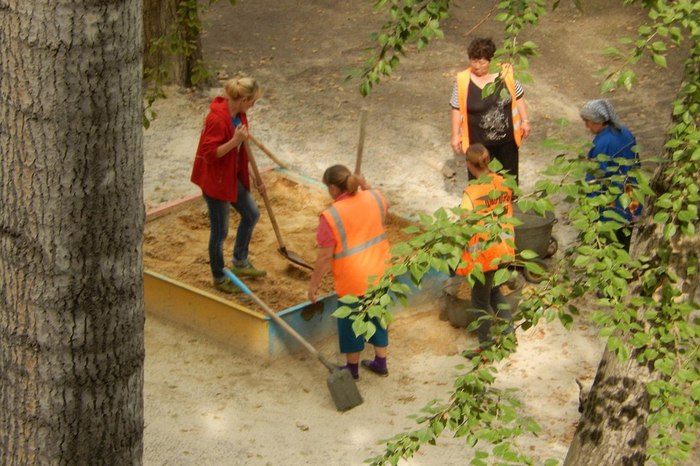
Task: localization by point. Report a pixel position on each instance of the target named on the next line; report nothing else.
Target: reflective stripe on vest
(463, 91)
(361, 245)
(344, 250)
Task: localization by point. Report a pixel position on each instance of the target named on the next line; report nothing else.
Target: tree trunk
(160, 18)
(612, 429)
(71, 224)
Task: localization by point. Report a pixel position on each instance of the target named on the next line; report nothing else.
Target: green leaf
(660, 60)
(695, 391)
(661, 217)
(669, 231)
(534, 268)
(501, 276)
(349, 299)
(342, 312)
(359, 327)
(607, 86)
(528, 254)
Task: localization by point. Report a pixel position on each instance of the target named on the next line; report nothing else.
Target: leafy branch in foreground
(411, 23)
(477, 410)
(646, 302)
(644, 322)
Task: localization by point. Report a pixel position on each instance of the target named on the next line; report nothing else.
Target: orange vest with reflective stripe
(479, 196)
(361, 246)
(463, 90)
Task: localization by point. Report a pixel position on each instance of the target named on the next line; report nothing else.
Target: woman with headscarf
(615, 151)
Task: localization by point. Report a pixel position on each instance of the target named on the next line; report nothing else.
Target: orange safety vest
(361, 246)
(478, 194)
(463, 91)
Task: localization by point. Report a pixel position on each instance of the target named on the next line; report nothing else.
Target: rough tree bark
(71, 224)
(612, 429)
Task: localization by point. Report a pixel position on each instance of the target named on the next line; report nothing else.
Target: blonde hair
(240, 88)
(342, 178)
(478, 155)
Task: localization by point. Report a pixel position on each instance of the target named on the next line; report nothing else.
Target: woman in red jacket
(221, 171)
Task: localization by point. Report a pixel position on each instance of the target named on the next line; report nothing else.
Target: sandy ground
(205, 404)
(173, 243)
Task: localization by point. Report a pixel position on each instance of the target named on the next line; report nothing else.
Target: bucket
(535, 233)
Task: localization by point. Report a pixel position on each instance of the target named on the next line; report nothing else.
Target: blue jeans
(218, 219)
(489, 300)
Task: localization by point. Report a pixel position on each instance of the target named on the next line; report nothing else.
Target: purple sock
(354, 368)
(379, 363)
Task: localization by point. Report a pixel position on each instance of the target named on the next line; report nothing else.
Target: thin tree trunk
(159, 19)
(71, 223)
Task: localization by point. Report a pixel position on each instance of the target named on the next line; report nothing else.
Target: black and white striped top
(454, 98)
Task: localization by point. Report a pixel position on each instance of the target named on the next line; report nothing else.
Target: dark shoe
(472, 353)
(247, 270)
(381, 371)
(347, 368)
(227, 286)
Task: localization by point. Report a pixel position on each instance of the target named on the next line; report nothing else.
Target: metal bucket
(535, 233)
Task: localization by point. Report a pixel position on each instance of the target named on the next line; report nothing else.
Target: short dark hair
(481, 47)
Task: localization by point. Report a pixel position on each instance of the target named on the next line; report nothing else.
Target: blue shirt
(618, 144)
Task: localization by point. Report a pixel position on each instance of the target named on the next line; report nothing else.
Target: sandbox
(177, 277)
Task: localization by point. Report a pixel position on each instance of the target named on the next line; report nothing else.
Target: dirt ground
(205, 404)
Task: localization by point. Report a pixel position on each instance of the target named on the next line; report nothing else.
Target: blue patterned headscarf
(600, 111)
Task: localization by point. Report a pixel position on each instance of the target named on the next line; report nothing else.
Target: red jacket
(217, 175)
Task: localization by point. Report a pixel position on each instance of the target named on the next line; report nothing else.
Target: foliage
(649, 302)
(411, 22)
(180, 42)
(414, 23)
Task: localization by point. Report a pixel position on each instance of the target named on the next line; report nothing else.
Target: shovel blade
(295, 258)
(343, 390)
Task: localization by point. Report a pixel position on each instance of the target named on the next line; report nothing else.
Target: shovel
(340, 382)
(293, 257)
(267, 151)
(361, 143)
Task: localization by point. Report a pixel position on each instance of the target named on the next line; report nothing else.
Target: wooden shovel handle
(279, 321)
(361, 143)
(268, 206)
(267, 151)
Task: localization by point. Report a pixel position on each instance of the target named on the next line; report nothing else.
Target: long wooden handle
(258, 180)
(267, 151)
(278, 320)
(361, 143)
